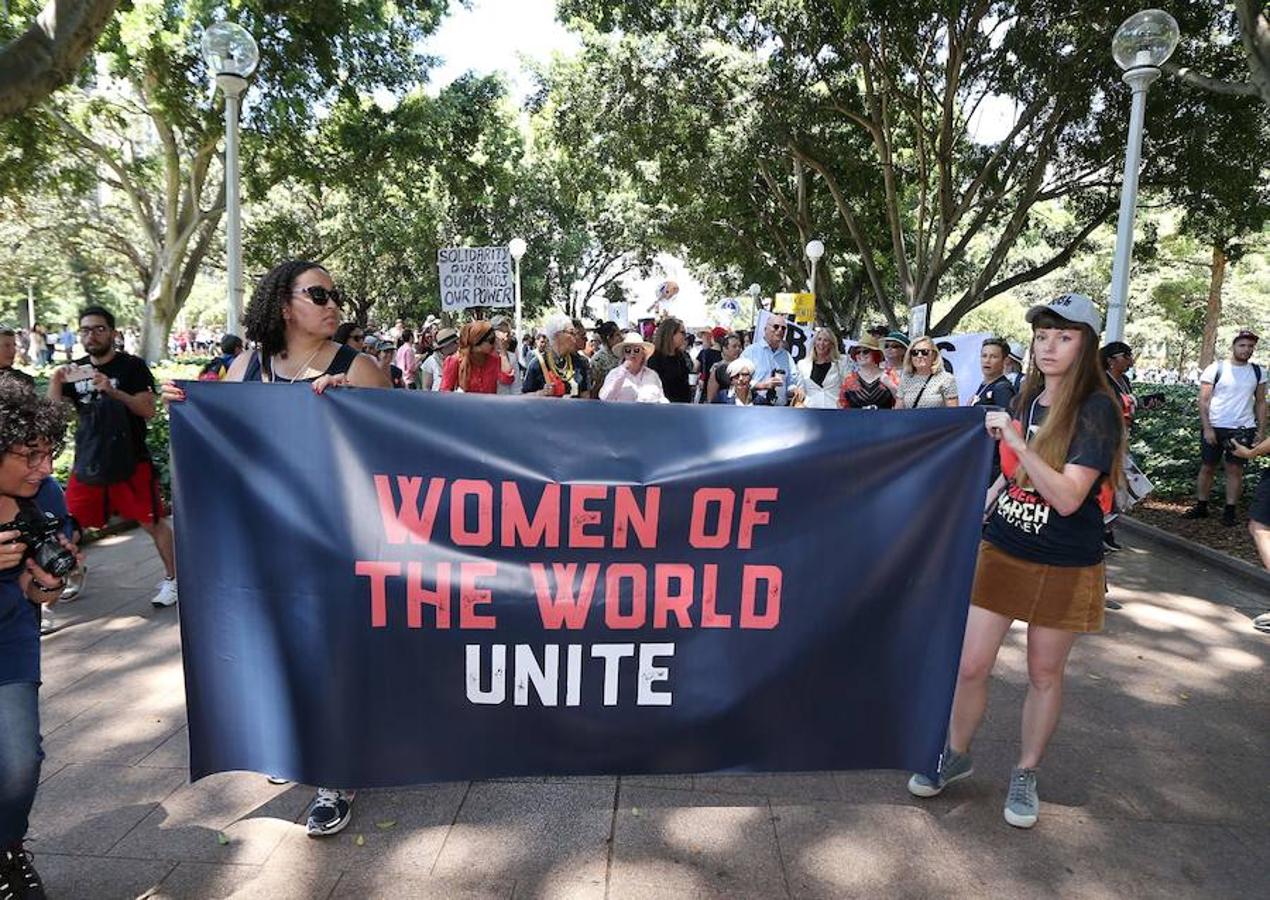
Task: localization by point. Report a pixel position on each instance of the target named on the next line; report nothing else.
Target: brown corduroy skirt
(1063, 597)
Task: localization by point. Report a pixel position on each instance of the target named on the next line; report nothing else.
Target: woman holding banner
(1041, 558)
(293, 314)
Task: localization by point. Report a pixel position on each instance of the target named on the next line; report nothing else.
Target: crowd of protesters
(1060, 431)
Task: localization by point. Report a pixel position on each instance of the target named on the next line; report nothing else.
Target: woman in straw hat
(633, 381)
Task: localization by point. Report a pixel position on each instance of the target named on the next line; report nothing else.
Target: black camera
(40, 532)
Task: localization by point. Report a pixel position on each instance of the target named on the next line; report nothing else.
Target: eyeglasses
(320, 296)
(33, 458)
(632, 351)
(920, 352)
(88, 330)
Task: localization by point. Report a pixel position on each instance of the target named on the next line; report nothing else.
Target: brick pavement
(1155, 784)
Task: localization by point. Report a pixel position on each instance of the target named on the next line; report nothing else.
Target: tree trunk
(1212, 317)
(47, 55)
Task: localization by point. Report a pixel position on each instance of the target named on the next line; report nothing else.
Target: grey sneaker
(48, 620)
(74, 584)
(1022, 805)
(953, 766)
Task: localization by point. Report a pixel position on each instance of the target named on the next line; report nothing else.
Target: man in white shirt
(1232, 407)
(774, 368)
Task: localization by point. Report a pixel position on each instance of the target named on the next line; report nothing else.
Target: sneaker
(276, 779)
(167, 593)
(1022, 805)
(331, 811)
(1198, 511)
(74, 585)
(48, 625)
(1228, 517)
(1109, 542)
(1262, 623)
(953, 766)
(18, 878)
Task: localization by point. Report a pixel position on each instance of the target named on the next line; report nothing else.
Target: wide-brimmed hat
(868, 342)
(631, 339)
(446, 336)
(1072, 307)
(1016, 352)
(898, 337)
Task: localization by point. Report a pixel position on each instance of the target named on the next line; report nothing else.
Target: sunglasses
(777, 327)
(861, 351)
(488, 339)
(920, 352)
(632, 351)
(320, 296)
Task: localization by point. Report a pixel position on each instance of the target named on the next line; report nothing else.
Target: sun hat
(446, 336)
(631, 339)
(1016, 352)
(868, 342)
(1072, 307)
(898, 337)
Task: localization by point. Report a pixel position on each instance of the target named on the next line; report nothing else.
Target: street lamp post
(1142, 44)
(517, 248)
(814, 250)
(232, 55)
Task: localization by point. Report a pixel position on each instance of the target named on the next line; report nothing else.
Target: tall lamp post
(814, 250)
(232, 55)
(517, 248)
(1142, 44)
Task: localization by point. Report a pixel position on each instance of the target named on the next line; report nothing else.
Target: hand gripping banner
(386, 588)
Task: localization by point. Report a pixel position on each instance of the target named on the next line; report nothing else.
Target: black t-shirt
(1024, 525)
(673, 371)
(126, 372)
(1000, 393)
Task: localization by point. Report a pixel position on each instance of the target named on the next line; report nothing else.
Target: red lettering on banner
(627, 516)
(701, 501)
(637, 575)
(517, 530)
(710, 596)
(564, 609)
(752, 516)
(580, 517)
(471, 597)
(417, 595)
(377, 572)
(408, 520)
(666, 601)
(483, 535)
(771, 615)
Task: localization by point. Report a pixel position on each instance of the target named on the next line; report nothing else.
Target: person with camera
(1232, 408)
(775, 375)
(113, 395)
(31, 544)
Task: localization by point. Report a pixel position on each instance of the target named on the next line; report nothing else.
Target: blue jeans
(20, 756)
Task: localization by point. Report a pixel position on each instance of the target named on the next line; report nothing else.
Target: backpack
(1256, 371)
(104, 452)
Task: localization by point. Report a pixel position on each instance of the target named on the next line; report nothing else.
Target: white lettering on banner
(475, 276)
(544, 677)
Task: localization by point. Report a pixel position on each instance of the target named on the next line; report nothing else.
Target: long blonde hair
(1053, 439)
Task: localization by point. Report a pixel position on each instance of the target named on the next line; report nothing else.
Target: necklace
(303, 366)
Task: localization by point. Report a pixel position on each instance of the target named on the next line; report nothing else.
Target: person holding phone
(31, 431)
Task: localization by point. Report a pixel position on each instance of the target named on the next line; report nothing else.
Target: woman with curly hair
(480, 366)
(292, 316)
(31, 432)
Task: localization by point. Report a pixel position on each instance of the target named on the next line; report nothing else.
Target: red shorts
(137, 499)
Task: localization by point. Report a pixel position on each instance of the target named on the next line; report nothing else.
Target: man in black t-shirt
(113, 394)
(996, 390)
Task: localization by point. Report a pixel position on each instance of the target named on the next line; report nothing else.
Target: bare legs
(161, 532)
(1047, 652)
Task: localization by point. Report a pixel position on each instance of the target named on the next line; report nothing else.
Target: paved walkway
(1156, 785)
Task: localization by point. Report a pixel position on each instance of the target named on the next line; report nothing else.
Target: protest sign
(475, 276)
(633, 589)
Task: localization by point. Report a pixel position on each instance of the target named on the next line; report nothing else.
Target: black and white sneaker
(331, 812)
(18, 878)
(1109, 542)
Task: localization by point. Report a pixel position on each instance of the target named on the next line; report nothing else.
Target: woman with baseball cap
(1041, 558)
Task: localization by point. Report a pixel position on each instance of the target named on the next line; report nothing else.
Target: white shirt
(435, 366)
(1233, 394)
(826, 396)
(642, 387)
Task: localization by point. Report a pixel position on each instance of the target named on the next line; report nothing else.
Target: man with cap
(1232, 408)
(430, 373)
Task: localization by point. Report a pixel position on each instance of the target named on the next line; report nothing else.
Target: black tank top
(340, 364)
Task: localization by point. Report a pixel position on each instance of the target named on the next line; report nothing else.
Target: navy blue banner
(387, 587)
